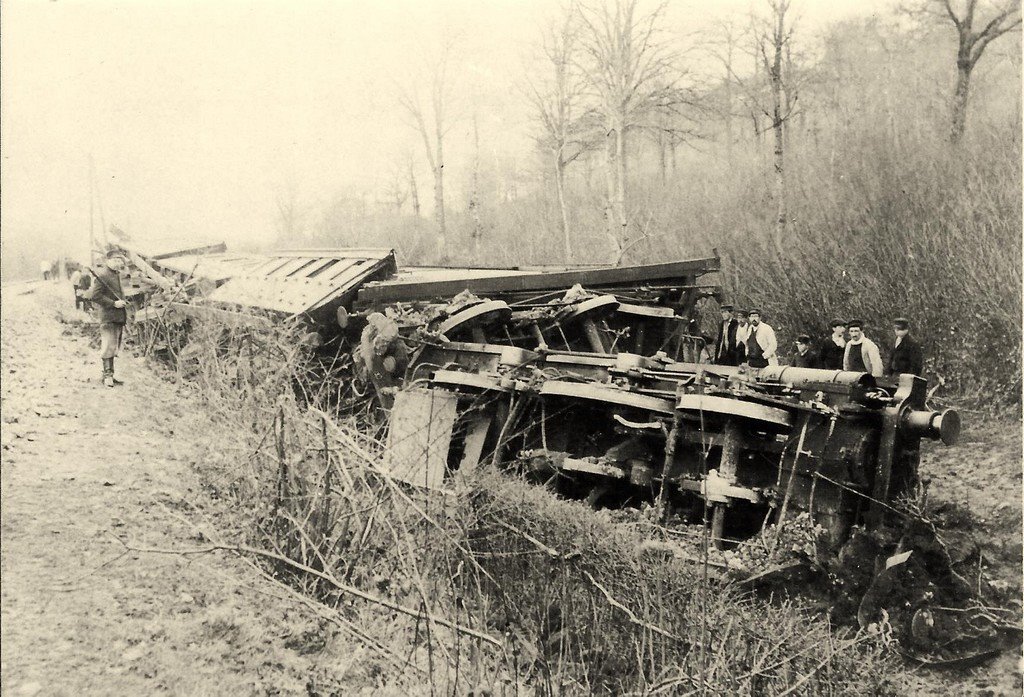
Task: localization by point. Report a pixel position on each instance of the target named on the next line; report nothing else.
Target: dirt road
(84, 467)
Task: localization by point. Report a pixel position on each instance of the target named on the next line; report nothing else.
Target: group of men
(743, 339)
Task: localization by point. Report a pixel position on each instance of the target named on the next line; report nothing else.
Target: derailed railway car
(595, 382)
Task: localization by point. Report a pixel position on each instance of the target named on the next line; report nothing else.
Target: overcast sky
(198, 113)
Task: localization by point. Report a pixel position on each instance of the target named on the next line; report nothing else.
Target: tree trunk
(611, 226)
(662, 160)
(563, 208)
(963, 85)
(414, 192)
(620, 191)
(474, 198)
(728, 115)
(778, 126)
(439, 207)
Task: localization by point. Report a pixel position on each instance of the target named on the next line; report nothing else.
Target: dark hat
(804, 339)
(755, 311)
(837, 323)
(901, 323)
(855, 323)
(726, 306)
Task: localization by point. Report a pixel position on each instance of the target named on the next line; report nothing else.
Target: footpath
(86, 467)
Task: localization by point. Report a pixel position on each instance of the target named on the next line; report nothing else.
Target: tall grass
(492, 584)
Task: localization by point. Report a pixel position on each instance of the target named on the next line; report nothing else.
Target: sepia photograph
(507, 348)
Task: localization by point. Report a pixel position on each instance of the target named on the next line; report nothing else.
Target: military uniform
(104, 291)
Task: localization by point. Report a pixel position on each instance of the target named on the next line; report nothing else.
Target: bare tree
(414, 192)
(994, 19)
(725, 43)
(291, 215)
(477, 233)
(433, 124)
(631, 71)
(557, 102)
(395, 190)
(774, 39)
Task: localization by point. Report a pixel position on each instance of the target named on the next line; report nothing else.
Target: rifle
(111, 291)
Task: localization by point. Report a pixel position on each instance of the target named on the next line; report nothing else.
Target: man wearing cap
(804, 358)
(106, 293)
(761, 343)
(861, 353)
(906, 356)
(830, 356)
(742, 332)
(725, 345)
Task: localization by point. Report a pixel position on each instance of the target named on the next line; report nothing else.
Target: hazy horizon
(198, 115)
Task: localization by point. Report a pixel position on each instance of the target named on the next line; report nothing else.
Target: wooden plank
(420, 435)
(228, 317)
(283, 285)
(339, 253)
(290, 267)
(475, 437)
(400, 291)
(348, 281)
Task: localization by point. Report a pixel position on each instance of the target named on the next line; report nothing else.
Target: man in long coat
(907, 355)
(106, 293)
(830, 356)
(725, 344)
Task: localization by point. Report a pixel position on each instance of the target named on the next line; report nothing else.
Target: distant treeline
(887, 210)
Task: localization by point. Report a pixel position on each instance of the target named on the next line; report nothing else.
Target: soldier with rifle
(106, 293)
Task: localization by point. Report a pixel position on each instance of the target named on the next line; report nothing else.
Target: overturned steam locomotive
(593, 381)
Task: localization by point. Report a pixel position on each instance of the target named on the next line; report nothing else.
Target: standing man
(80, 281)
(725, 345)
(761, 342)
(44, 268)
(833, 348)
(105, 290)
(861, 353)
(742, 333)
(804, 358)
(906, 356)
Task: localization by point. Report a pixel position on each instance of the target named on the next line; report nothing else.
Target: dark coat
(728, 355)
(104, 291)
(830, 357)
(908, 357)
(807, 360)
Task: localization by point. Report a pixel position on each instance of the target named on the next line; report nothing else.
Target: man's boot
(116, 381)
(108, 372)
